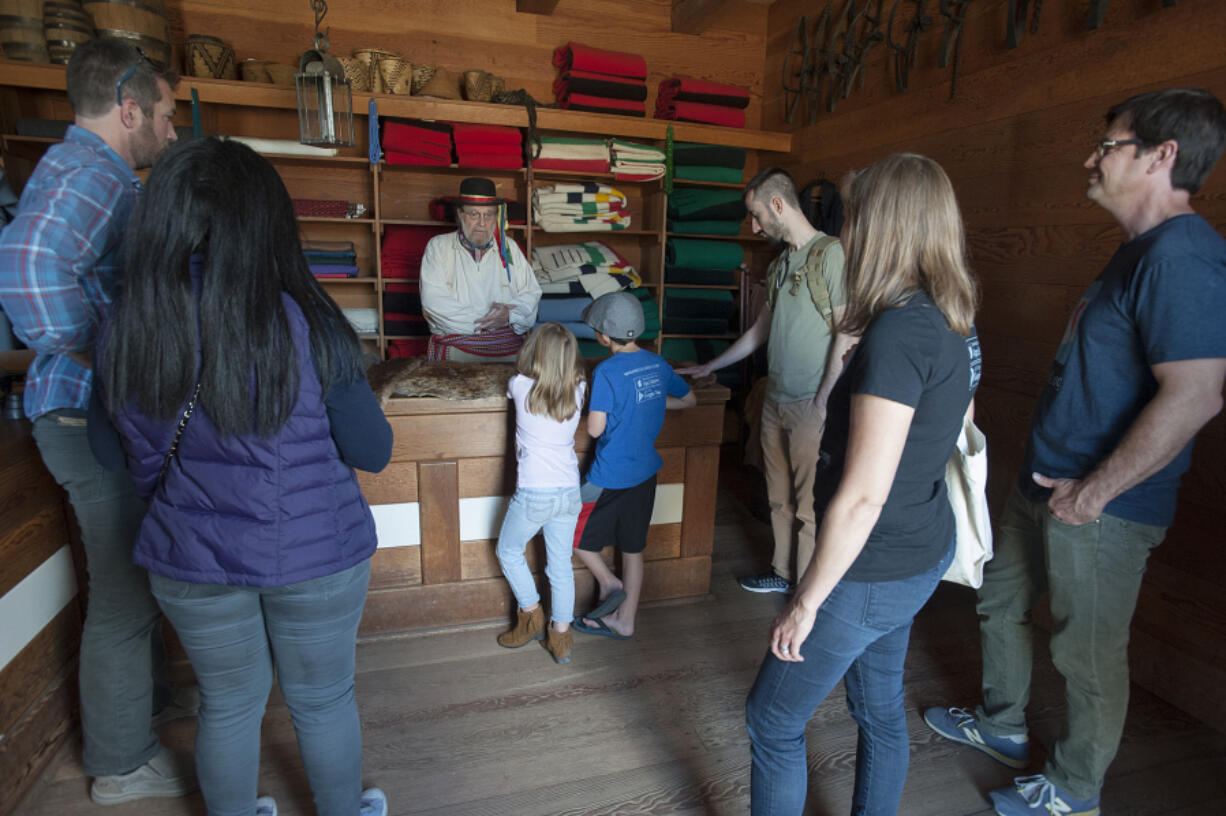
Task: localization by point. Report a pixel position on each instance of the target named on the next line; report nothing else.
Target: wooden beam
(694, 16)
(440, 522)
(545, 7)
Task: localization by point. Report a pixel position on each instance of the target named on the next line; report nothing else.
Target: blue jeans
(860, 636)
(122, 668)
(234, 636)
(556, 510)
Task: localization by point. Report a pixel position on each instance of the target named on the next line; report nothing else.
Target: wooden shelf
(594, 234)
(311, 219)
(564, 175)
(699, 336)
(45, 76)
(668, 285)
(358, 281)
(451, 168)
(409, 222)
(726, 185)
(742, 237)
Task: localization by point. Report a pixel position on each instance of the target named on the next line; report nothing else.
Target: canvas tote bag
(966, 480)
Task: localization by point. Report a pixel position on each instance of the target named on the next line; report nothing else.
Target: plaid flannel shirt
(60, 260)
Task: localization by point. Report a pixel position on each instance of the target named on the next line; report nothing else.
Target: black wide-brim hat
(478, 191)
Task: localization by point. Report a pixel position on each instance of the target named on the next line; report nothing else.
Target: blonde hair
(550, 356)
(904, 232)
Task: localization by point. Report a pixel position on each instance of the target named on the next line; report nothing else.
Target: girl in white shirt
(548, 392)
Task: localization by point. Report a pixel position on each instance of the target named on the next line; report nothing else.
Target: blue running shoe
(959, 725)
(1036, 796)
(374, 803)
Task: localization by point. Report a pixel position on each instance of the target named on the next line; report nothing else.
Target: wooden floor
(455, 725)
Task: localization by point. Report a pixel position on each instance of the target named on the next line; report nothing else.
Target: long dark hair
(221, 201)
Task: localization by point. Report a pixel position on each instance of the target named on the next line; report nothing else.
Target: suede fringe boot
(560, 644)
(528, 627)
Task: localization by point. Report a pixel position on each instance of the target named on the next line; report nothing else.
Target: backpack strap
(812, 272)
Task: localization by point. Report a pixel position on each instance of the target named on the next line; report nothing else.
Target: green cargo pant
(1093, 572)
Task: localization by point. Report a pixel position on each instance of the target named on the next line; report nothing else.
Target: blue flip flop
(608, 605)
(601, 628)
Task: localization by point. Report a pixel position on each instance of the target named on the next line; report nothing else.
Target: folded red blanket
(586, 58)
(407, 348)
(685, 89)
(698, 112)
(404, 136)
(494, 161)
(395, 157)
(469, 134)
(579, 101)
(320, 208)
(578, 165)
(589, 82)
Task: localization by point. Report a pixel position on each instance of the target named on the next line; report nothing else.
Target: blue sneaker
(959, 725)
(374, 803)
(265, 806)
(1036, 796)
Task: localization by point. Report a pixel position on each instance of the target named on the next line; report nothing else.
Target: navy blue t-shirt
(1160, 299)
(907, 355)
(631, 388)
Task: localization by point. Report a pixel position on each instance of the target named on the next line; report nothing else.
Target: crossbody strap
(174, 445)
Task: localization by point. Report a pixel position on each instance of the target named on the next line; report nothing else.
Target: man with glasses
(478, 291)
(59, 265)
(1139, 372)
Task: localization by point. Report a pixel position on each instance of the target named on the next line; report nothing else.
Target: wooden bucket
(141, 22)
(210, 57)
(66, 25)
(21, 30)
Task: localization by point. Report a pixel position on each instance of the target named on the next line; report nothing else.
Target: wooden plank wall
(1013, 141)
(491, 35)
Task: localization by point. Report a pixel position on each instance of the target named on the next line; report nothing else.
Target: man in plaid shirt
(59, 263)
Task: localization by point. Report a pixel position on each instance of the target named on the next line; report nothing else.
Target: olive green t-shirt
(800, 337)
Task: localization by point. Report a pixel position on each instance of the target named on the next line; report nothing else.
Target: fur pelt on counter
(417, 377)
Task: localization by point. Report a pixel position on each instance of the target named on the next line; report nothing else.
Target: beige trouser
(791, 435)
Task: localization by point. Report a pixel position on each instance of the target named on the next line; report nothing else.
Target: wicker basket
(281, 74)
(357, 72)
(421, 75)
(371, 57)
(254, 70)
(396, 74)
(480, 86)
(208, 56)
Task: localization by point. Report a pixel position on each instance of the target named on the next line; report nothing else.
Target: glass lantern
(325, 101)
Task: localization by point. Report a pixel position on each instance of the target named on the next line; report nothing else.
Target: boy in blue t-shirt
(630, 392)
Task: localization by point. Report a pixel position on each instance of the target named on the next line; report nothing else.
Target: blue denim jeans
(860, 636)
(556, 511)
(122, 668)
(234, 637)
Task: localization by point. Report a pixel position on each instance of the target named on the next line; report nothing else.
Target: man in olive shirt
(805, 298)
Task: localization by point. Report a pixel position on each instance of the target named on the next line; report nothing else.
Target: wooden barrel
(140, 22)
(66, 25)
(21, 30)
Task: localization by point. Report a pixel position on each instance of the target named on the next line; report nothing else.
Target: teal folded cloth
(690, 204)
(698, 172)
(688, 350)
(698, 254)
(693, 153)
(593, 349)
(705, 227)
(699, 277)
(695, 325)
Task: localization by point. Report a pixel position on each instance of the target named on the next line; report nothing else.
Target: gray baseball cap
(617, 314)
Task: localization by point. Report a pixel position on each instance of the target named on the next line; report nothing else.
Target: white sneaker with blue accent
(374, 803)
(1037, 796)
(959, 725)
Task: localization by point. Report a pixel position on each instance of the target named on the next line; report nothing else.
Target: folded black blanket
(695, 325)
(636, 91)
(700, 277)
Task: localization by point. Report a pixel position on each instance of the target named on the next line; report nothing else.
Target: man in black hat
(478, 291)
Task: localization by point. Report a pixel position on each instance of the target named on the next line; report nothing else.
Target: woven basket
(254, 70)
(209, 57)
(421, 75)
(443, 85)
(371, 57)
(357, 72)
(281, 74)
(396, 74)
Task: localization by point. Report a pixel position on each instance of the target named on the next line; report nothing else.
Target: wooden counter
(439, 504)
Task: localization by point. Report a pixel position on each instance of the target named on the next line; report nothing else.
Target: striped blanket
(498, 343)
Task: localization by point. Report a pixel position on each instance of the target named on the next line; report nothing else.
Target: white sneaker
(374, 803)
(265, 806)
(167, 774)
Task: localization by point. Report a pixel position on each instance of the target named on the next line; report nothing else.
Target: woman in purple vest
(233, 387)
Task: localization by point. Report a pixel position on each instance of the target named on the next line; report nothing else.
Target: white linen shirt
(457, 290)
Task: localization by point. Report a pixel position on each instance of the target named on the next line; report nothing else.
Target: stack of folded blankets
(403, 248)
(363, 320)
(417, 142)
(331, 259)
(582, 271)
(697, 311)
(695, 262)
(590, 347)
(490, 146)
(705, 211)
(573, 154)
(700, 350)
(592, 79)
(579, 207)
(695, 100)
(701, 162)
(637, 162)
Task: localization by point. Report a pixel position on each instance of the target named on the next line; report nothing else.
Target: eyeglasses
(1107, 145)
(479, 217)
(128, 74)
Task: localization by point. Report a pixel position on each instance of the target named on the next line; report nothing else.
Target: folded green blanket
(700, 277)
(705, 227)
(690, 204)
(698, 254)
(691, 153)
(705, 303)
(685, 350)
(698, 172)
